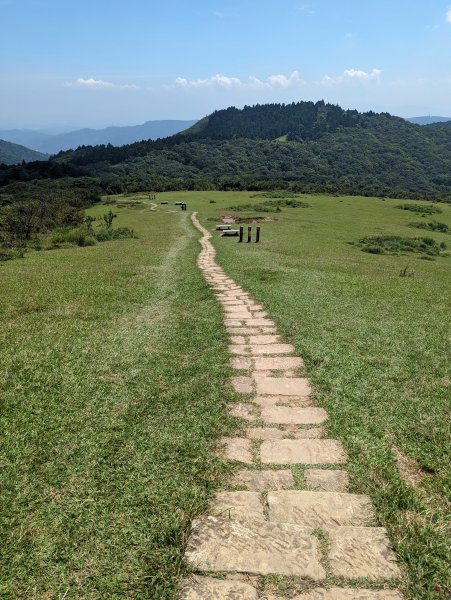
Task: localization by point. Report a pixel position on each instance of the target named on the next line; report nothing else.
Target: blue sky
(75, 63)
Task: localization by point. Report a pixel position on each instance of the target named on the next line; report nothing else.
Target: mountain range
(428, 120)
(11, 154)
(117, 136)
(304, 146)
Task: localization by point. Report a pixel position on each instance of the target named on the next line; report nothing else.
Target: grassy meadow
(113, 386)
(377, 348)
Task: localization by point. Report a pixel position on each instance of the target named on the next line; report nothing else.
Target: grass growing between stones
(376, 346)
(113, 388)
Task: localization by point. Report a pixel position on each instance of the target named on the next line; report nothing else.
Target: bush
(395, 244)
(105, 234)
(10, 254)
(432, 226)
(421, 209)
(72, 237)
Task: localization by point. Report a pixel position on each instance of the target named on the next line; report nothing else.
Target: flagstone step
(293, 415)
(319, 509)
(258, 548)
(209, 588)
(263, 349)
(278, 363)
(332, 480)
(240, 506)
(273, 433)
(362, 552)
(308, 452)
(346, 594)
(263, 481)
(284, 386)
(283, 400)
(243, 411)
(238, 449)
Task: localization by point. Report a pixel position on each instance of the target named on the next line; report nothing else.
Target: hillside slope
(12, 154)
(311, 147)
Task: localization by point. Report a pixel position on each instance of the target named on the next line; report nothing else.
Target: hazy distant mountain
(116, 136)
(11, 154)
(428, 120)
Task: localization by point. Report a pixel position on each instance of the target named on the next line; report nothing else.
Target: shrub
(432, 226)
(105, 234)
(72, 237)
(10, 254)
(395, 244)
(421, 209)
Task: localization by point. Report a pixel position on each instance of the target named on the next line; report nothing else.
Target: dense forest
(303, 147)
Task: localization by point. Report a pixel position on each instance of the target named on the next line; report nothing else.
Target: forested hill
(297, 121)
(11, 154)
(311, 147)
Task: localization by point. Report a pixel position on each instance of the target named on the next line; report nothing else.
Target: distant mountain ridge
(116, 136)
(310, 147)
(12, 154)
(428, 120)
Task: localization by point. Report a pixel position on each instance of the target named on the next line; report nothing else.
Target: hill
(11, 154)
(117, 136)
(305, 146)
(428, 120)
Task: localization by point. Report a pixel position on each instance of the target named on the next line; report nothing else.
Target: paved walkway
(263, 525)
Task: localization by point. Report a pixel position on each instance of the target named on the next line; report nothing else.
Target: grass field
(113, 387)
(377, 348)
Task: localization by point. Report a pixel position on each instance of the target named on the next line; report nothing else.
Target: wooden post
(257, 237)
(241, 233)
(249, 234)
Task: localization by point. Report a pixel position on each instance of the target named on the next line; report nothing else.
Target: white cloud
(252, 82)
(448, 15)
(351, 75)
(92, 83)
(283, 81)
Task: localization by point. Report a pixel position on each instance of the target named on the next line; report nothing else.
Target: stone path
(295, 522)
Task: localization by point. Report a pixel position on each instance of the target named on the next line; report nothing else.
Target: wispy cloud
(252, 82)
(448, 14)
(92, 83)
(351, 75)
(305, 8)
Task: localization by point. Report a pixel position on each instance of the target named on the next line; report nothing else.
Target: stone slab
(332, 480)
(260, 323)
(299, 433)
(284, 386)
(264, 433)
(232, 322)
(242, 506)
(349, 594)
(262, 349)
(239, 350)
(203, 588)
(242, 385)
(243, 330)
(307, 452)
(237, 339)
(319, 509)
(241, 363)
(242, 410)
(237, 449)
(256, 548)
(283, 400)
(265, 480)
(278, 363)
(263, 339)
(286, 415)
(362, 552)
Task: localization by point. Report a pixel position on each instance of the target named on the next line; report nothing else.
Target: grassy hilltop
(114, 383)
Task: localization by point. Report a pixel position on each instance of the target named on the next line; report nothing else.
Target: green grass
(376, 346)
(113, 386)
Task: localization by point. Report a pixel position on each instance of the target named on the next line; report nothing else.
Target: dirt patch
(229, 219)
(408, 468)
